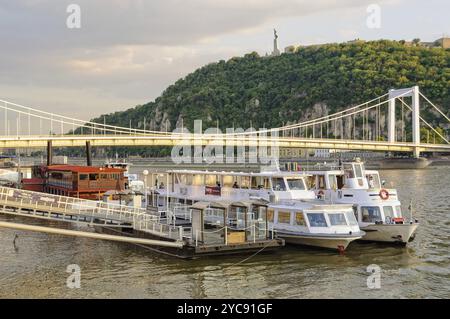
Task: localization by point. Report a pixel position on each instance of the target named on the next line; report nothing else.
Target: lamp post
(145, 173)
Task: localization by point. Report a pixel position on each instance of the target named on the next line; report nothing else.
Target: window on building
(284, 217)
(317, 220)
(370, 214)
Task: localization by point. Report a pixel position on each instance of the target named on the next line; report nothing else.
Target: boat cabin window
(284, 217)
(373, 181)
(358, 170)
(181, 179)
(332, 180)
(245, 182)
(348, 171)
(351, 218)
(398, 211)
(370, 214)
(259, 212)
(93, 177)
(260, 182)
(311, 182)
(355, 211)
(300, 219)
(296, 184)
(278, 184)
(228, 181)
(197, 180)
(320, 182)
(317, 220)
(83, 177)
(337, 219)
(212, 180)
(388, 211)
(237, 212)
(270, 214)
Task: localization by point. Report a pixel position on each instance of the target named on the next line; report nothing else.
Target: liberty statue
(275, 51)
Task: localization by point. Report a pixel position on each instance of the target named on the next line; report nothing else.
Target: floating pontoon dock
(128, 224)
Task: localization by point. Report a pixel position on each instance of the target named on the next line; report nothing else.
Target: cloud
(42, 24)
(127, 52)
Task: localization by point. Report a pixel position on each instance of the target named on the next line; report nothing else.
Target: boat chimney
(88, 154)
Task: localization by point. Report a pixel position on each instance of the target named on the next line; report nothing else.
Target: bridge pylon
(412, 92)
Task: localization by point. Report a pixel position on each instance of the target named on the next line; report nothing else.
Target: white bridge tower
(408, 92)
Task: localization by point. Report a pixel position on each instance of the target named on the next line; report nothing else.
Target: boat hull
(328, 242)
(387, 233)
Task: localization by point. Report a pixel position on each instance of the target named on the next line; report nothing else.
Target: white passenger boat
(377, 209)
(312, 223)
(197, 185)
(293, 213)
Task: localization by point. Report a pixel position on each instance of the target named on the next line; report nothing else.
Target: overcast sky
(128, 51)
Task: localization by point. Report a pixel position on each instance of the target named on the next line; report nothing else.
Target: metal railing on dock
(55, 207)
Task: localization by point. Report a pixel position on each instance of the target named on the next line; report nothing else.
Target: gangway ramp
(24, 203)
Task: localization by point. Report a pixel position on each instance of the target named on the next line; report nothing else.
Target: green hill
(272, 91)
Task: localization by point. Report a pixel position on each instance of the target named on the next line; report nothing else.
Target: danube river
(36, 267)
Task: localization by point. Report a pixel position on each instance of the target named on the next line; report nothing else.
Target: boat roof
(333, 171)
(228, 173)
(227, 203)
(313, 204)
(338, 172)
(84, 169)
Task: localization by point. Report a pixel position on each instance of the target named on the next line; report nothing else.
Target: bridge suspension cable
(428, 124)
(437, 109)
(69, 120)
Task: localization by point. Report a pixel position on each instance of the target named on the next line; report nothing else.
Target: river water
(36, 268)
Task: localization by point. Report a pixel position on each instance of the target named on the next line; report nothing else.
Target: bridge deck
(177, 140)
